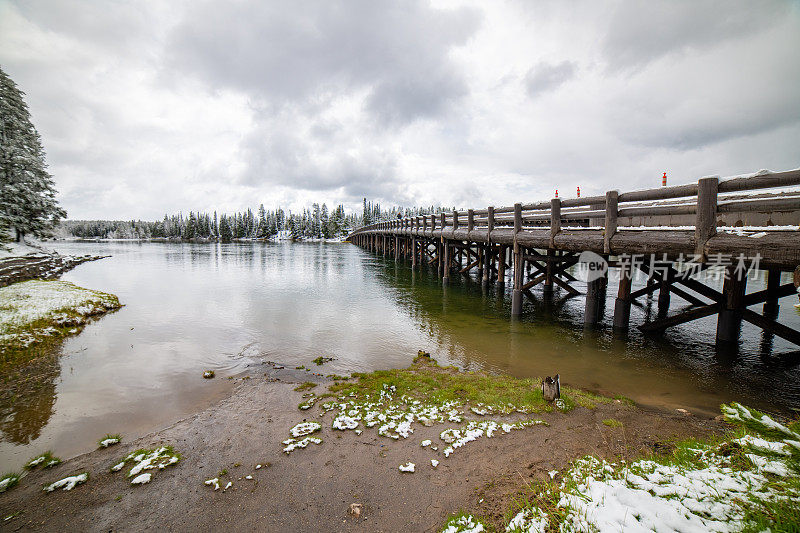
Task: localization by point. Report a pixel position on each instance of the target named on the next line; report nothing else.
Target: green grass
(109, 436)
(612, 423)
(8, 481)
(44, 460)
(425, 379)
(308, 385)
(319, 361)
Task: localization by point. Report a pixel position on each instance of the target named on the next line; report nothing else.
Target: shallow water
(193, 307)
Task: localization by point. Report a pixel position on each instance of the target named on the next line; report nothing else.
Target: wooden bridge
(666, 233)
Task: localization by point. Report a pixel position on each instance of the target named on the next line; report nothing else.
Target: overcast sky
(151, 107)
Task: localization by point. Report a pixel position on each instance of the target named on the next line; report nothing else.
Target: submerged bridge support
(671, 235)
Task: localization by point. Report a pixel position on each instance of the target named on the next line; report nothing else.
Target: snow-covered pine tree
(27, 191)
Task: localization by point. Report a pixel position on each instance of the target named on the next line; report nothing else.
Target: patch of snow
(764, 445)
(465, 524)
(229, 485)
(213, 482)
(434, 463)
(408, 467)
(292, 444)
(425, 443)
(528, 521)
(304, 428)
(108, 442)
(343, 422)
(7, 481)
(141, 479)
(36, 462)
(68, 483)
(248, 477)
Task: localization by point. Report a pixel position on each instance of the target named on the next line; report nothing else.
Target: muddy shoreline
(39, 266)
(313, 488)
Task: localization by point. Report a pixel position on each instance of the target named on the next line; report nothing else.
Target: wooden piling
(773, 283)
(622, 305)
(516, 293)
(549, 268)
(594, 300)
(501, 264)
(663, 292)
(730, 318)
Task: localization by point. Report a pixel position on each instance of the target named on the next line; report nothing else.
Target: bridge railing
(703, 200)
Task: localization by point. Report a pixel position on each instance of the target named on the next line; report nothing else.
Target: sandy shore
(313, 488)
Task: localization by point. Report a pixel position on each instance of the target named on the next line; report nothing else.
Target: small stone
(355, 509)
(208, 374)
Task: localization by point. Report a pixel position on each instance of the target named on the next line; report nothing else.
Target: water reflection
(28, 398)
(682, 368)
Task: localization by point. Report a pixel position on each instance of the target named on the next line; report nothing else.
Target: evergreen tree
(27, 190)
(225, 231)
(324, 222)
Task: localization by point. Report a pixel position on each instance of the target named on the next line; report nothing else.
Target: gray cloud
(642, 32)
(547, 77)
(288, 52)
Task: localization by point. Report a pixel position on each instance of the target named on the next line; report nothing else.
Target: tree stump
(551, 388)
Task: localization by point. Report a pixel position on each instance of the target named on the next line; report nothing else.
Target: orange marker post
(664, 180)
(579, 192)
(556, 193)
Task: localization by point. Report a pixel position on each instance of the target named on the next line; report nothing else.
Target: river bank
(24, 261)
(432, 418)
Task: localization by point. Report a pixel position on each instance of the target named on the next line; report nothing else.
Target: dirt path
(312, 489)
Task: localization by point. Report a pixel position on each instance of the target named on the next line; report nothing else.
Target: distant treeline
(314, 223)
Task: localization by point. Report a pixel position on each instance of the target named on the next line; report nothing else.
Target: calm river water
(192, 307)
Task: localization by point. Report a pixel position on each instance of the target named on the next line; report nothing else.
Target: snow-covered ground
(34, 309)
(17, 249)
(734, 485)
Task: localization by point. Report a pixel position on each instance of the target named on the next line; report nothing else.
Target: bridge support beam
(501, 264)
(595, 296)
(729, 321)
(622, 306)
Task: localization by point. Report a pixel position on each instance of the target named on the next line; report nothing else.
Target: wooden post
(555, 220)
(594, 295)
(516, 294)
(487, 259)
(413, 251)
(549, 268)
(455, 220)
(490, 222)
(730, 318)
(445, 261)
(611, 219)
(706, 221)
(663, 292)
(470, 220)
(622, 306)
(396, 248)
(773, 282)
(501, 264)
